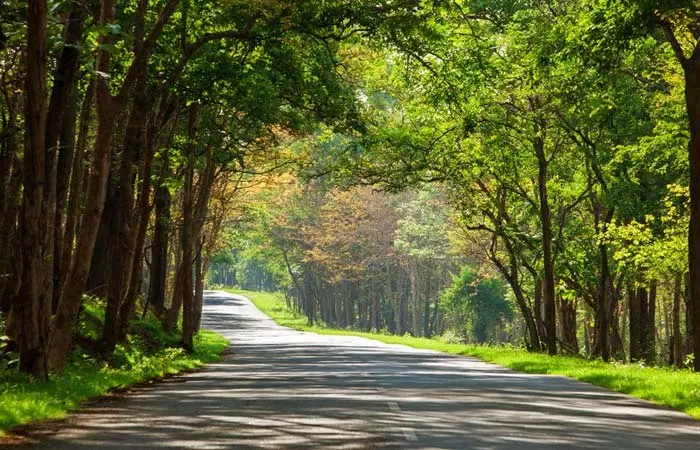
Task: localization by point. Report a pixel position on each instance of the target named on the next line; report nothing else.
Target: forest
(505, 171)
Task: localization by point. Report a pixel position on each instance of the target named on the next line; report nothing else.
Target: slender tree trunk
(636, 298)
(649, 325)
(124, 222)
(10, 256)
(415, 298)
(692, 99)
(375, 319)
(511, 274)
(71, 296)
(567, 319)
(34, 305)
(676, 338)
(77, 185)
(390, 298)
(159, 250)
(188, 234)
(61, 128)
(688, 341)
(603, 308)
(137, 241)
(546, 223)
(539, 320)
(201, 265)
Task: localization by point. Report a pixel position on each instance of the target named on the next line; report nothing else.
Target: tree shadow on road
(286, 389)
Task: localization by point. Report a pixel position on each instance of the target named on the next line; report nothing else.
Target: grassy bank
(147, 355)
(678, 389)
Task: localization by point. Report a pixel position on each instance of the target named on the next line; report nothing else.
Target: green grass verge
(146, 356)
(678, 389)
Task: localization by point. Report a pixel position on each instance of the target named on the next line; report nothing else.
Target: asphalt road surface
(280, 388)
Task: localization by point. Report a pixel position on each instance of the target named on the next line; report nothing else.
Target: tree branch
(667, 28)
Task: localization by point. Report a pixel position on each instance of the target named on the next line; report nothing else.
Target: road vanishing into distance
(280, 388)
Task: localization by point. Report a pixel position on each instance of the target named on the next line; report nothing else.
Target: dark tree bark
(689, 332)
(676, 338)
(182, 295)
(124, 220)
(375, 316)
(34, 305)
(416, 310)
(548, 298)
(61, 128)
(159, 250)
(567, 320)
(33, 308)
(648, 328)
(10, 198)
(201, 265)
(605, 306)
(201, 207)
(537, 309)
(137, 240)
(637, 298)
(691, 69)
(109, 109)
(692, 73)
(77, 184)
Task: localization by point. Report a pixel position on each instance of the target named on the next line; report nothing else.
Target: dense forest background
(501, 171)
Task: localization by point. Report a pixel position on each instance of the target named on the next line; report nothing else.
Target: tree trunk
(649, 325)
(567, 319)
(689, 332)
(605, 307)
(201, 264)
(636, 297)
(416, 310)
(692, 100)
(77, 185)
(136, 243)
(159, 250)
(188, 234)
(124, 222)
(546, 223)
(389, 292)
(10, 256)
(676, 338)
(539, 320)
(375, 316)
(34, 305)
(71, 296)
(61, 128)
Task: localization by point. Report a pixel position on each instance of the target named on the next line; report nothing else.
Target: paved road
(286, 389)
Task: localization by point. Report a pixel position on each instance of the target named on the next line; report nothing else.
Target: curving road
(280, 388)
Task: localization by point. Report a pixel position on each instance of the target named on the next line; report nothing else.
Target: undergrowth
(149, 353)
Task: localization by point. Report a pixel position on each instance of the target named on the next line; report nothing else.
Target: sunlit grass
(24, 400)
(678, 389)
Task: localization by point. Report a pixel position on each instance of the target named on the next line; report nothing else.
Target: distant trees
(368, 260)
(479, 305)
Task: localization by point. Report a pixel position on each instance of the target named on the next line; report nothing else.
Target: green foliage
(423, 226)
(477, 304)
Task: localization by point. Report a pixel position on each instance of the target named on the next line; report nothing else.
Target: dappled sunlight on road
(280, 388)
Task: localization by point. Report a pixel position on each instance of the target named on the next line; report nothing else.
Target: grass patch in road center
(678, 389)
(24, 400)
